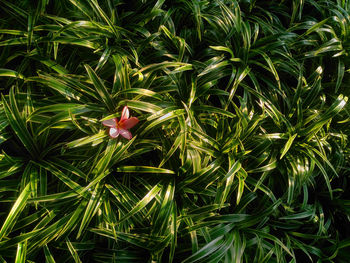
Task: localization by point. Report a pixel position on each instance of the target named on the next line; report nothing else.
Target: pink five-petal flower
(121, 127)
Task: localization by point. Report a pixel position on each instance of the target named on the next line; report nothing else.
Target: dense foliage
(242, 149)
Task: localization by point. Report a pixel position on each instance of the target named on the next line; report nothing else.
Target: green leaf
(340, 76)
(73, 251)
(21, 254)
(140, 105)
(50, 167)
(143, 169)
(207, 250)
(58, 85)
(143, 202)
(91, 209)
(98, 10)
(101, 89)
(10, 73)
(142, 241)
(18, 124)
(179, 67)
(93, 140)
(172, 150)
(272, 238)
(166, 117)
(306, 214)
(48, 256)
(211, 110)
(16, 209)
(288, 145)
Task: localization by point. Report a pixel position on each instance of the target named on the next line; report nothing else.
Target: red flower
(122, 126)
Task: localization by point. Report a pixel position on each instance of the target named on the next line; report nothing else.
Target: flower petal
(129, 123)
(125, 133)
(114, 132)
(110, 122)
(125, 114)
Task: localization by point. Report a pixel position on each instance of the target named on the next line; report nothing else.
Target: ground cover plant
(241, 152)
